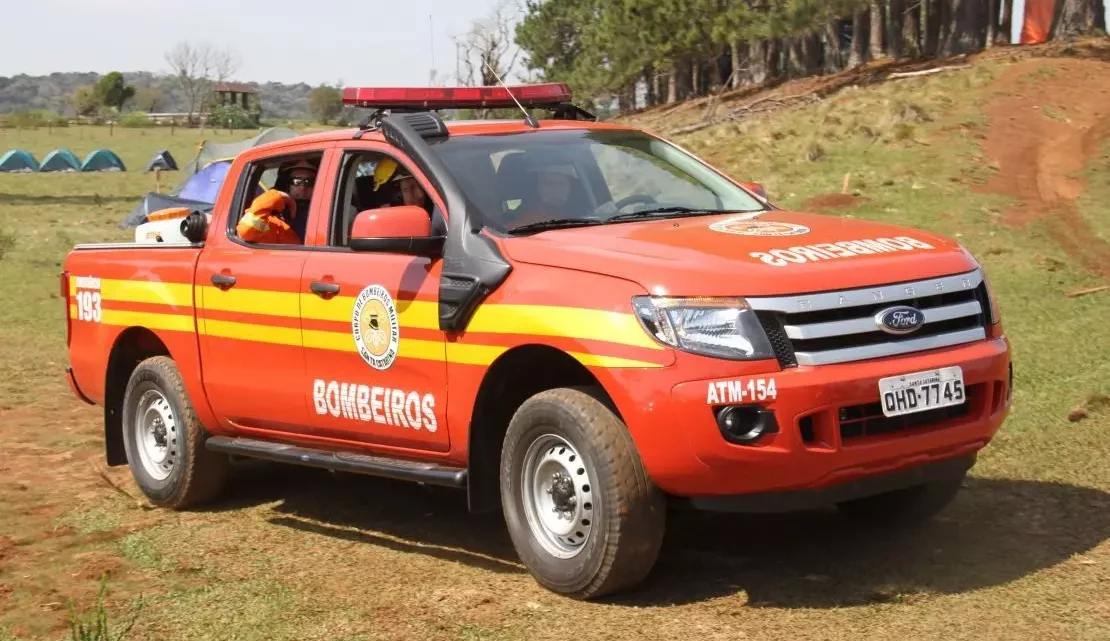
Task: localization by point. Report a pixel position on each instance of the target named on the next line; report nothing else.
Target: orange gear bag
(262, 222)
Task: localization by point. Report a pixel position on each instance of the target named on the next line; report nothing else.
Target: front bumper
(686, 455)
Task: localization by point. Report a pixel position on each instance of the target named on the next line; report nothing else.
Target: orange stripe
(253, 319)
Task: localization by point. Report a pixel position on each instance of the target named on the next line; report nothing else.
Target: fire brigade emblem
(742, 227)
(375, 328)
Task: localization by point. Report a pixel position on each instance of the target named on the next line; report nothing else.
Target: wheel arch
(132, 346)
(502, 391)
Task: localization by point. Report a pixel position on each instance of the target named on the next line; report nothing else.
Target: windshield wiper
(663, 211)
(556, 223)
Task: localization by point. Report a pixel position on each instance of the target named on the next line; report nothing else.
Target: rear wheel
(164, 440)
(905, 507)
(583, 515)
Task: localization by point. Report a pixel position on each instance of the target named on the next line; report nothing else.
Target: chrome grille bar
(879, 350)
(867, 295)
(840, 326)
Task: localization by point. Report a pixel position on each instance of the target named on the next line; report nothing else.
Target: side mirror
(398, 230)
(756, 188)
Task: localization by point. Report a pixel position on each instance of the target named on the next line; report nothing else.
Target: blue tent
(60, 160)
(153, 202)
(18, 160)
(205, 185)
(103, 160)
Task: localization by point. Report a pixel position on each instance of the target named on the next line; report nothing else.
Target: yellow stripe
(569, 322)
(610, 362)
(487, 354)
(414, 314)
(169, 322)
(532, 320)
(251, 301)
(251, 332)
(142, 291)
(474, 354)
(344, 342)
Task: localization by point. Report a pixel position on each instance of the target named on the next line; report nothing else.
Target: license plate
(922, 391)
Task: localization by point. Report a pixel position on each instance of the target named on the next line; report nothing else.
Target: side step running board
(341, 461)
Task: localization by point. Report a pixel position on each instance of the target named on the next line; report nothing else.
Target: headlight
(716, 327)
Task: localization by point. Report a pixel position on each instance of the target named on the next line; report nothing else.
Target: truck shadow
(996, 531)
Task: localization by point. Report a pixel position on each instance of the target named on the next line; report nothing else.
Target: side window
(274, 201)
(374, 180)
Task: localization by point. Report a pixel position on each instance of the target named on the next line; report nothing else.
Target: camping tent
(18, 160)
(153, 202)
(210, 152)
(162, 160)
(60, 160)
(103, 160)
(205, 184)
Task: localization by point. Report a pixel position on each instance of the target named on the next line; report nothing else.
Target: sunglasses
(305, 182)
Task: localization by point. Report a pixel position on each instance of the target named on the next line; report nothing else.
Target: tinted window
(596, 174)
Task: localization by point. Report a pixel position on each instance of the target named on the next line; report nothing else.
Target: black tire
(628, 511)
(196, 474)
(906, 507)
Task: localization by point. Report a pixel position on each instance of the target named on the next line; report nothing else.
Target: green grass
(297, 554)
(1093, 202)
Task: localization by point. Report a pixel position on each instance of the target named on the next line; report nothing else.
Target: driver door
(375, 356)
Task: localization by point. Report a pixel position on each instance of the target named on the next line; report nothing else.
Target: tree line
(650, 52)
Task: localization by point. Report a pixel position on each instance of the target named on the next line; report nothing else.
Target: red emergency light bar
(456, 97)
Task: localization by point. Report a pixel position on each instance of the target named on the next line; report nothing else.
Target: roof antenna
(531, 122)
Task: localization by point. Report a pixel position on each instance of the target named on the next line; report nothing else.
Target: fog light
(745, 424)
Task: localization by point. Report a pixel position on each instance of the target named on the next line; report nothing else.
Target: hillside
(53, 92)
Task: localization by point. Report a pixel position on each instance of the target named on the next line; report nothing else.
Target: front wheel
(164, 439)
(583, 515)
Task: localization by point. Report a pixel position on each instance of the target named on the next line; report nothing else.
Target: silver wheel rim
(558, 496)
(156, 434)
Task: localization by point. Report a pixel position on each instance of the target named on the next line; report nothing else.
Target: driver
(553, 184)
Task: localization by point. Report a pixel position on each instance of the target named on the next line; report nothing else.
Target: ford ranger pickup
(578, 323)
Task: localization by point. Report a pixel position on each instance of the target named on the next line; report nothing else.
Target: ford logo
(900, 320)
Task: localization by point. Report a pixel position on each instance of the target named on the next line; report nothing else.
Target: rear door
(248, 314)
(376, 359)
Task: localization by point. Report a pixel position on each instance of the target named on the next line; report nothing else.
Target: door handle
(324, 289)
(223, 281)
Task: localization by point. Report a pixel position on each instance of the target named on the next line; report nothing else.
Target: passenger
(301, 178)
(268, 220)
(410, 191)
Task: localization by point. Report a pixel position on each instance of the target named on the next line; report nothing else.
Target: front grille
(839, 326)
(858, 421)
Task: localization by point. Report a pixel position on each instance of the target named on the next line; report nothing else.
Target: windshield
(589, 175)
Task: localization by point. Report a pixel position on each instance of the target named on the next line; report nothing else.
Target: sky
(369, 42)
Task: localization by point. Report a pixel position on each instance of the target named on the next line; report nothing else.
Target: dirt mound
(832, 202)
(1047, 122)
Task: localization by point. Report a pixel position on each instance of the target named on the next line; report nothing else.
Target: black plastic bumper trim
(77, 388)
(354, 462)
(794, 500)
